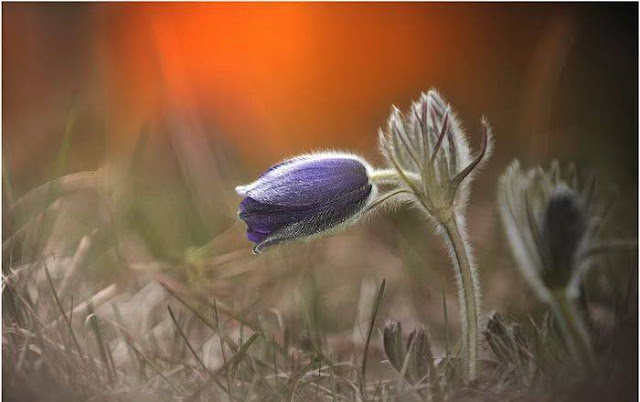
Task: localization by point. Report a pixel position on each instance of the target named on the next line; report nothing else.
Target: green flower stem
(384, 174)
(468, 293)
(573, 329)
(388, 176)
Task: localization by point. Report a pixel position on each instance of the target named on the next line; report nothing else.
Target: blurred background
(170, 106)
(269, 80)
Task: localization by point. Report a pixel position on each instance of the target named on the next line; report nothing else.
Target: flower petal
(308, 181)
(320, 219)
(256, 236)
(269, 218)
(305, 196)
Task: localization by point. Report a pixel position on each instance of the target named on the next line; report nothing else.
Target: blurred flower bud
(548, 218)
(521, 343)
(393, 346)
(417, 354)
(507, 342)
(563, 228)
(497, 336)
(305, 196)
(421, 357)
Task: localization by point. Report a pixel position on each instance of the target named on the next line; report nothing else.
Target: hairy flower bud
(428, 149)
(421, 356)
(498, 338)
(393, 345)
(305, 196)
(548, 218)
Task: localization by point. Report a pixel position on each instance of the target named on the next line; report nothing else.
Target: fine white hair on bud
(428, 149)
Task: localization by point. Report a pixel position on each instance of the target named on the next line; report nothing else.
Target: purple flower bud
(563, 228)
(304, 196)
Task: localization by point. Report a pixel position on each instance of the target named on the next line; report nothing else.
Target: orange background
(269, 80)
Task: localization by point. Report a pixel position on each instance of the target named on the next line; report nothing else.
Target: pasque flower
(429, 164)
(306, 196)
(432, 166)
(551, 221)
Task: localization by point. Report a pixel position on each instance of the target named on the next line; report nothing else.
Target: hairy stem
(468, 294)
(388, 176)
(383, 175)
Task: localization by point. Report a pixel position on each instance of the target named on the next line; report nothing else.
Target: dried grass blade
(376, 307)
